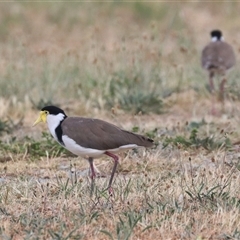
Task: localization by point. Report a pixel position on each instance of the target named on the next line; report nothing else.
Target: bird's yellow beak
(42, 118)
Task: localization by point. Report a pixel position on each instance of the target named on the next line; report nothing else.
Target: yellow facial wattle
(42, 118)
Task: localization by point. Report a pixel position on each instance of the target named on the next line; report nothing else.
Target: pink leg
(211, 83)
(222, 85)
(93, 174)
(212, 89)
(115, 158)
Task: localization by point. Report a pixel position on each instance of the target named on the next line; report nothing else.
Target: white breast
(53, 121)
(72, 146)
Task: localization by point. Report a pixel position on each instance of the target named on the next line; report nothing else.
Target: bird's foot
(100, 175)
(110, 191)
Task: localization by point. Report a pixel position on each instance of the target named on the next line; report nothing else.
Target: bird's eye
(46, 112)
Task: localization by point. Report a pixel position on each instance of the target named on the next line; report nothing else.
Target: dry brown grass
(69, 54)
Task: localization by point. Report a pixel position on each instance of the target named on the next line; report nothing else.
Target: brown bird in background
(217, 57)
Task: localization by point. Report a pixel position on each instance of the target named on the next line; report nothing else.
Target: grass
(135, 65)
(144, 205)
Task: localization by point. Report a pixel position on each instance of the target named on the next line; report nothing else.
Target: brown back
(101, 135)
(218, 55)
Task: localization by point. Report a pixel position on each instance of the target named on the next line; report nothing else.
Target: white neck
(214, 39)
(53, 121)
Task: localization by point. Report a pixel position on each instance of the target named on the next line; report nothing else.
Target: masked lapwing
(217, 57)
(90, 138)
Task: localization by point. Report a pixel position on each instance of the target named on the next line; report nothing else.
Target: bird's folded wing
(101, 135)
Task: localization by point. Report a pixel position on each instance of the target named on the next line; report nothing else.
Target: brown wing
(101, 135)
(218, 55)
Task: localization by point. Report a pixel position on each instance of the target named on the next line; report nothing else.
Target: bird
(217, 57)
(90, 138)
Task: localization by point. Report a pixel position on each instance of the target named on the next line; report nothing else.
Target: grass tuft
(133, 95)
